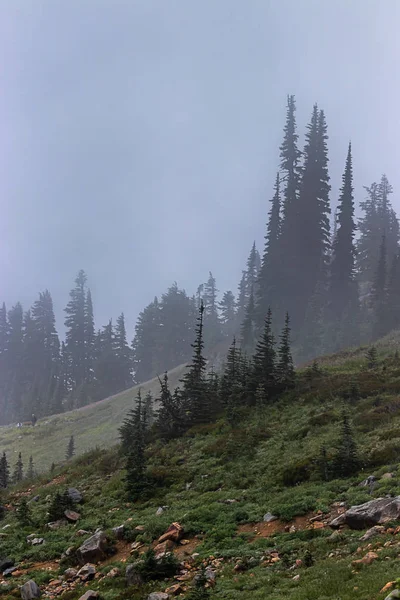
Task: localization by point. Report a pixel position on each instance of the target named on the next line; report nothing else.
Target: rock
(70, 574)
(269, 517)
(87, 572)
(5, 563)
(366, 560)
(30, 537)
(72, 516)
(296, 578)
(210, 576)
(94, 548)
(387, 476)
(160, 511)
(158, 596)
(174, 590)
(34, 499)
(136, 545)
(82, 532)
(53, 525)
(89, 595)
(374, 531)
(119, 531)
(30, 590)
(188, 486)
(338, 522)
(115, 572)
(163, 548)
(140, 528)
(75, 495)
(8, 572)
(387, 587)
(37, 541)
(368, 482)
(374, 512)
(133, 577)
(229, 501)
(392, 595)
(6, 526)
(174, 533)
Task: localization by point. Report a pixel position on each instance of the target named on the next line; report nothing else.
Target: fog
(139, 139)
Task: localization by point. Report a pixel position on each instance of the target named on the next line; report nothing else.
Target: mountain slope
(93, 425)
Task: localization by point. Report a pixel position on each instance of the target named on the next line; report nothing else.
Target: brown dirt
(123, 553)
(266, 530)
(182, 552)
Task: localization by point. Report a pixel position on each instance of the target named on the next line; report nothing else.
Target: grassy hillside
(218, 481)
(93, 425)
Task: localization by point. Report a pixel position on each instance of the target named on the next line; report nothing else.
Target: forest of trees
(338, 277)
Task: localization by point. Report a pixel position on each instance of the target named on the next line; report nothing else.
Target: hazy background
(139, 139)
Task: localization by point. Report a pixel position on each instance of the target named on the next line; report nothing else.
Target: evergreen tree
(270, 271)
(146, 362)
(75, 323)
(264, 371)
(347, 461)
(133, 439)
(290, 275)
(123, 355)
(89, 338)
(284, 368)
(18, 474)
(170, 418)
(231, 373)
(70, 452)
(242, 300)
(211, 318)
(312, 334)
(4, 472)
(4, 407)
(148, 411)
(59, 504)
(372, 357)
(227, 308)
(378, 294)
(252, 270)
(343, 257)
(14, 358)
(30, 474)
(248, 329)
(393, 294)
(323, 464)
(24, 513)
(106, 371)
(194, 391)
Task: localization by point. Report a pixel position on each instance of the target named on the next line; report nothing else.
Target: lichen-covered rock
(133, 576)
(75, 495)
(87, 572)
(30, 590)
(269, 517)
(374, 512)
(94, 548)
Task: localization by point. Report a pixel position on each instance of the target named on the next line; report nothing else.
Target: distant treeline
(338, 279)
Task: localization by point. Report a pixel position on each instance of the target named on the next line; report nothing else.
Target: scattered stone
(36, 541)
(72, 516)
(30, 537)
(8, 572)
(30, 590)
(82, 532)
(374, 531)
(229, 501)
(119, 531)
(387, 476)
(94, 548)
(160, 511)
(392, 595)
(164, 548)
(75, 495)
(53, 525)
(374, 512)
(188, 486)
(158, 596)
(6, 563)
(366, 560)
(140, 528)
(6, 526)
(292, 529)
(174, 533)
(89, 595)
(387, 587)
(174, 590)
(115, 572)
(87, 572)
(368, 482)
(209, 574)
(296, 577)
(269, 517)
(184, 542)
(70, 574)
(34, 499)
(133, 577)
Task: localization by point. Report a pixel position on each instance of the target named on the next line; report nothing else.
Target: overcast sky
(139, 138)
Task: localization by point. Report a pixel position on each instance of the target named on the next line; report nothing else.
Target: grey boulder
(94, 548)
(269, 517)
(75, 495)
(374, 512)
(158, 596)
(30, 590)
(133, 577)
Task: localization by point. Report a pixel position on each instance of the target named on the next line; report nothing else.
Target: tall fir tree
(146, 360)
(213, 334)
(89, 337)
(342, 268)
(284, 369)
(393, 294)
(264, 369)
(70, 451)
(379, 294)
(30, 473)
(270, 271)
(170, 417)
(4, 472)
(248, 329)
(347, 461)
(75, 323)
(18, 474)
(227, 308)
(123, 354)
(133, 437)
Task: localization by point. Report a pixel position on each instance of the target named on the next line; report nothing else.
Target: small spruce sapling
(24, 513)
(18, 474)
(372, 357)
(70, 452)
(30, 474)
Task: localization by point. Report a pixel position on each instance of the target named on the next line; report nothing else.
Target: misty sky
(139, 138)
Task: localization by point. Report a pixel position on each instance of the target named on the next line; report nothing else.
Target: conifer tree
(133, 439)
(284, 369)
(252, 270)
(231, 373)
(343, 257)
(30, 474)
(75, 323)
(170, 416)
(290, 176)
(24, 513)
(227, 308)
(4, 472)
(372, 357)
(148, 411)
(145, 345)
(18, 474)
(347, 461)
(70, 452)
(4, 408)
(242, 300)
(248, 329)
(89, 337)
(194, 390)
(263, 369)
(211, 318)
(393, 294)
(378, 294)
(270, 271)
(15, 362)
(123, 354)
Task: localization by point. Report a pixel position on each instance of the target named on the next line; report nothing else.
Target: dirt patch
(56, 481)
(182, 552)
(123, 552)
(266, 530)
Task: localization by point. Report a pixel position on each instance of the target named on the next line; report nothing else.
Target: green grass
(266, 463)
(92, 426)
